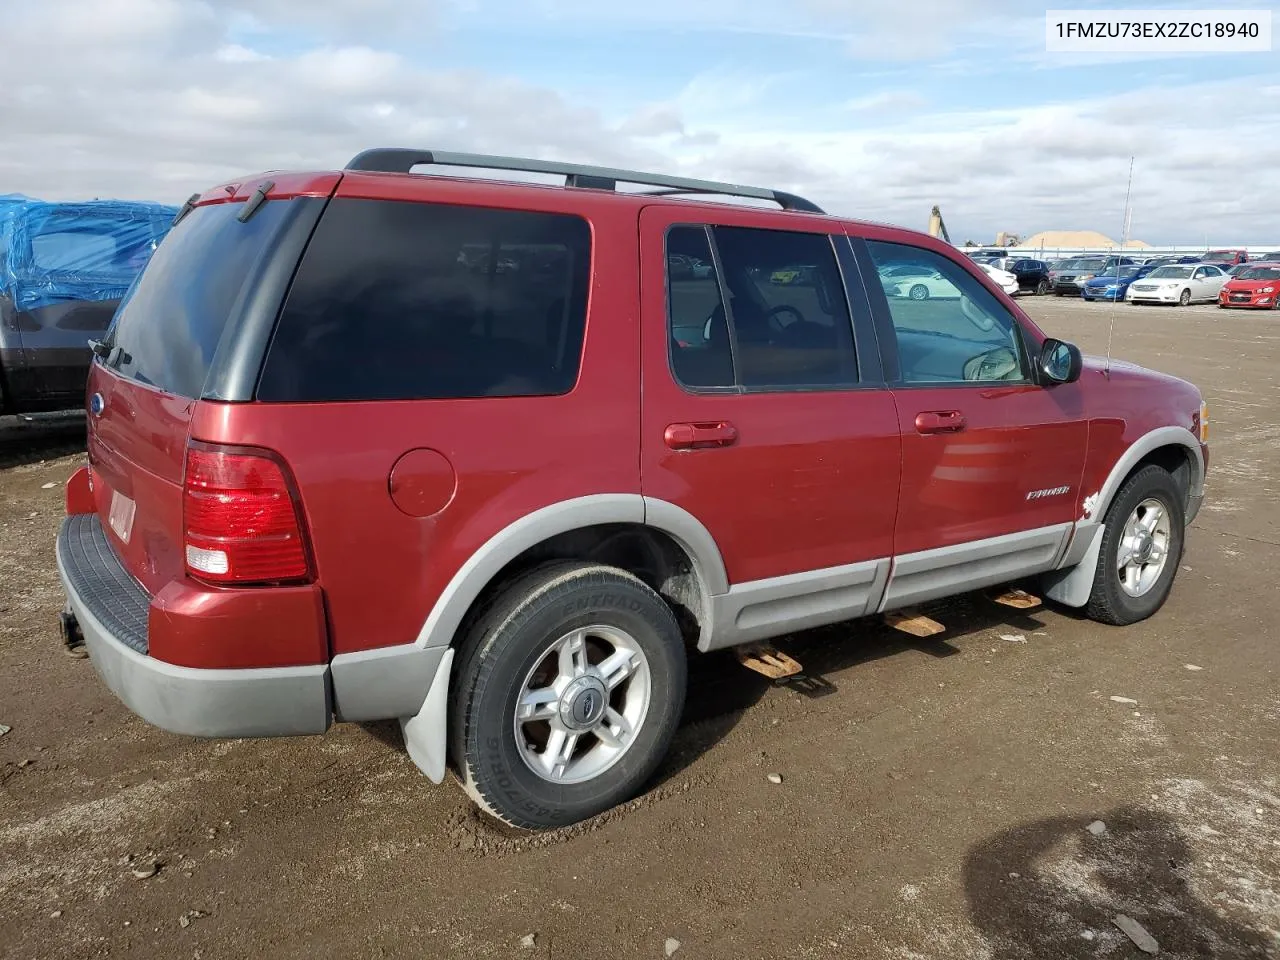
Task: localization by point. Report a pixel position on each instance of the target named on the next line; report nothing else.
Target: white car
(1180, 283)
(1005, 280)
(916, 282)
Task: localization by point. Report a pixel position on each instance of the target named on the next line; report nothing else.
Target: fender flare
(1072, 583)
(455, 600)
(1097, 504)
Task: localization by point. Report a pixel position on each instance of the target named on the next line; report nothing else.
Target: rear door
(773, 429)
(991, 461)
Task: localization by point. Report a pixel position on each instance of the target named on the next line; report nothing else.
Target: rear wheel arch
(658, 542)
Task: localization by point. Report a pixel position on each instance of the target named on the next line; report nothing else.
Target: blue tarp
(90, 250)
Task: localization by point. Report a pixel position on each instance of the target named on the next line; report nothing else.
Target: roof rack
(403, 160)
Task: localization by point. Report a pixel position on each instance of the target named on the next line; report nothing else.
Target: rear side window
(397, 300)
(168, 326)
(773, 316)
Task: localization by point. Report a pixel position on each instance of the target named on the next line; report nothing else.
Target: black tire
(1108, 602)
(918, 292)
(1042, 288)
(508, 641)
(1184, 298)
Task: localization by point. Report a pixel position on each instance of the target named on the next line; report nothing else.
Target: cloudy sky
(873, 108)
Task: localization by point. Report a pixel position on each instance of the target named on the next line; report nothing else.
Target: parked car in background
(1005, 280)
(1071, 275)
(309, 519)
(1032, 275)
(1257, 286)
(916, 282)
(1180, 283)
(65, 268)
(1171, 258)
(1113, 283)
(1273, 257)
(1225, 257)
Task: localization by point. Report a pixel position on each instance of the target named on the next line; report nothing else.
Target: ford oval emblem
(96, 404)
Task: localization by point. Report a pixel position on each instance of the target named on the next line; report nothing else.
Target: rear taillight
(241, 518)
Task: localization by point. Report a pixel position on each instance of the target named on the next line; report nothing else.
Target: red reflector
(241, 519)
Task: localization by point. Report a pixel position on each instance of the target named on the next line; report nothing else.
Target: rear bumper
(112, 612)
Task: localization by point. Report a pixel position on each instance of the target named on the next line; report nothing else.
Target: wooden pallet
(768, 661)
(914, 622)
(1018, 599)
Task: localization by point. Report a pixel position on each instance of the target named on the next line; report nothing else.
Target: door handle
(940, 421)
(694, 436)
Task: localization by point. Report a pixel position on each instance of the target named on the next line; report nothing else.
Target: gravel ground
(934, 802)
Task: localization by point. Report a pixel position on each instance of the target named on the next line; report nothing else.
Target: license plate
(120, 516)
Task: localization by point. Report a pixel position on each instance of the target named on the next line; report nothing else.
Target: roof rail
(403, 160)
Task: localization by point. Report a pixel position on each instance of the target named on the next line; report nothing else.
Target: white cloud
(158, 98)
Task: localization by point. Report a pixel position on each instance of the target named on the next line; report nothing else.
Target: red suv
(473, 454)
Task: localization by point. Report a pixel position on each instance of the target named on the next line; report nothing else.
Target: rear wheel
(1042, 287)
(568, 693)
(1184, 298)
(1141, 549)
(919, 292)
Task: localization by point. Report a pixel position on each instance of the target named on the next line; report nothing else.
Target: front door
(764, 415)
(991, 460)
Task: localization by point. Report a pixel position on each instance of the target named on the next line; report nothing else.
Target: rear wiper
(185, 209)
(255, 202)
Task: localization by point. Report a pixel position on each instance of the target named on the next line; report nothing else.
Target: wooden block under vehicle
(768, 661)
(914, 623)
(1018, 599)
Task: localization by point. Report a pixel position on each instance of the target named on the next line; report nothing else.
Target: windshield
(1083, 263)
(1170, 273)
(1220, 256)
(1259, 273)
(1114, 272)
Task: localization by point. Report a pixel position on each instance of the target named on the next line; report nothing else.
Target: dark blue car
(1112, 285)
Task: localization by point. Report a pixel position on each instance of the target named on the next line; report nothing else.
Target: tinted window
(700, 351)
(958, 333)
(786, 325)
(1259, 273)
(403, 300)
(168, 325)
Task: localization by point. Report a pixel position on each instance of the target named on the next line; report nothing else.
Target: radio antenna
(1124, 240)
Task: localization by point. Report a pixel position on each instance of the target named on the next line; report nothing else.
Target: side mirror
(1060, 362)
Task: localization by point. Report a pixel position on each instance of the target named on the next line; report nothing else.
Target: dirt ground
(934, 798)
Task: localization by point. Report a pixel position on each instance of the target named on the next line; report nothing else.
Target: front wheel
(919, 292)
(1184, 298)
(1142, 542)
(569, 691)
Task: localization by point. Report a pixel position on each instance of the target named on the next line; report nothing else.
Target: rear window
(168, 326)
(397, 300)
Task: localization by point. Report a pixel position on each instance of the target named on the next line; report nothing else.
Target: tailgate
(196, 322)
(137, 446)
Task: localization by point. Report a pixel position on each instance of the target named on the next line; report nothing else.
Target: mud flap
(426, 733)
(1072, 585)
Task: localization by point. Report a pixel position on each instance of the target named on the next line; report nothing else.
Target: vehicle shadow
(1050, 889)
(721, 690)
(25, 441)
